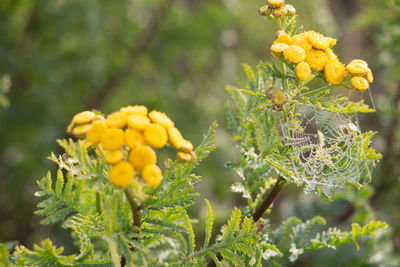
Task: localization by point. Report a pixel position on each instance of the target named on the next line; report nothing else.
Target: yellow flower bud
(335, 71)
(116, 120)
(278, 99)
(294, 54)
(94, 134)
(275, 3)
(264, 11)
(316, 59)
(302, 41)
(283, 38)
(152, 175)
(369, 76)
(133, 138)
(291, 11)
(279, 12)
(318, 41)
(121, 174)
(142, 156)
(138, 122)
(303, 71)
(155, 135)
(134, 110)
(114, 156)
(278, 47)
(160, 118)
(359, 83)
(81, 129)
(357, 67)
(184, 157)
(83, 117)
(112, 139)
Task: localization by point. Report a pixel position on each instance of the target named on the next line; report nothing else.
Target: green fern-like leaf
(209, 224)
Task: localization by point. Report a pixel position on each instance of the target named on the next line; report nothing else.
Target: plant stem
(98, 203)
(134, 207)
(269, 198)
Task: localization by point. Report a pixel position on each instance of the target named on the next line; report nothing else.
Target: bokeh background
(59, 57)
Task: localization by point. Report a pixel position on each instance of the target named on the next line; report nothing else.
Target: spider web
(326, 150)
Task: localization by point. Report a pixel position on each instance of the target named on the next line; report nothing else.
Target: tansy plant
(127, 207)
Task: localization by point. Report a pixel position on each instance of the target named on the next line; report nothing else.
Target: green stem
(205, 250)
(134, 207)
(269, 198)
(98, 203)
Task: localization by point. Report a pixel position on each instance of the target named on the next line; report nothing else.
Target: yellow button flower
(185, 146)
(335, 71)
(138, 122)
(316, 59)
(369, 76)
(116, 120)
(303, 71)
(302, 41)
(283, 38)
(160, 118)
(134, 110)
(152, 175)
(275, 3)
(184, 157)
(142, 156)
(155, 135)
(81, 129)
(175, 137)
(121, 174)
(114, 156)
(83, 117)
(278, 47)
(359, 83)
(133, 138)
(330, 54)
(357, 67)
(280, 12)
(112, 139)
(294, 54)
(94, 134)
(318, 41)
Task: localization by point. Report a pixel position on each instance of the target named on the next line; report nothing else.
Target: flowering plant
(124, 210)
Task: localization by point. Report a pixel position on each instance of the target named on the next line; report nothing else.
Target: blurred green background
(65, 56)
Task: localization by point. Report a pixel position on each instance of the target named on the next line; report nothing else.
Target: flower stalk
(134, 207)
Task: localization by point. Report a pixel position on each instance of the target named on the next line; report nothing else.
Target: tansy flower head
(160, 118)
(265, 10)
(357, 67)
(283, 38)
(133, 138)
(318, 41)
(83, 117)
(114, 156)
(112, 139)
(94, 134)
(294, 54)
(278, 99)
(155, 135)
(151, 175)
(275, 3)
(369, 76)
(291, 11)
(116, 119)
(138, 122)
(80, 130)
(303, 71)
(121, 174)
(134, 110)
(359, 83)
(142, 156)
(316, 59)
(278, 47)
(335, 71)
(302, 41)
(279, 12)
(184, 157)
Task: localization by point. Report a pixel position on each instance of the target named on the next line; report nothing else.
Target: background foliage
(176, 56)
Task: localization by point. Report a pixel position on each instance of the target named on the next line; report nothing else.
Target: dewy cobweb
(326, 150)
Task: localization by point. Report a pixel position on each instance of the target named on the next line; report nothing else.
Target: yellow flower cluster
(128, 138)
(277, 9)
(312, 51)
(361, 74)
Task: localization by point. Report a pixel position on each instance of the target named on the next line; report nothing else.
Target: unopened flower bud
(275, 3)
(264, 10)
(291, 11)
(278, 99)
(280, 12)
